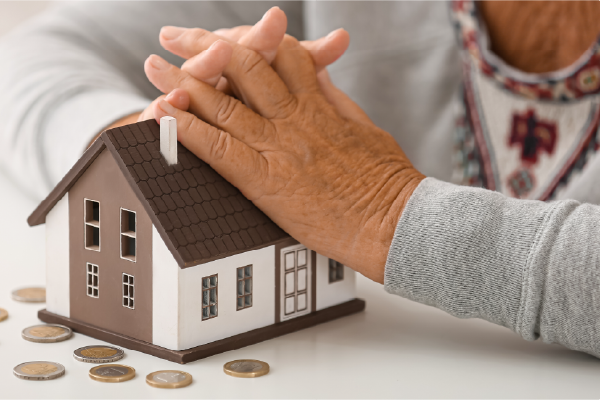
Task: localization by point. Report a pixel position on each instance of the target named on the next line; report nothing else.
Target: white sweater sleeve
(77, 68)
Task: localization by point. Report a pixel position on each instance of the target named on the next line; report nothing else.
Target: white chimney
(168, 139)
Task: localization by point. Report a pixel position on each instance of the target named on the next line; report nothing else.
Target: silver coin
(39, 370)
(98, 354)
(49, 333)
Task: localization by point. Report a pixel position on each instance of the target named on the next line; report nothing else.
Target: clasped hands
(258, 106)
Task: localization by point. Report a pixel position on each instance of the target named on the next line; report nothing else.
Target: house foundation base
(209, 349)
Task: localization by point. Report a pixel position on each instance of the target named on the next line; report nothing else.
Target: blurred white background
(13, 13)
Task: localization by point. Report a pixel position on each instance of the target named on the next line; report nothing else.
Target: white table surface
(395, 348)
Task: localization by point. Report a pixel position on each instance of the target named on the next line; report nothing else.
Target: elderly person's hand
(337, 185)
(264, 38)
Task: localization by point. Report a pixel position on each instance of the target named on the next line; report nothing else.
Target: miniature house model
(147, 247)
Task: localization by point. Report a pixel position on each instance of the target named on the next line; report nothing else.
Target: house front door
(296, 270)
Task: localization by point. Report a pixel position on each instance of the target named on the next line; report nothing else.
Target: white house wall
(331, 294)
(194, 331)
(165, 295)
(57, 258)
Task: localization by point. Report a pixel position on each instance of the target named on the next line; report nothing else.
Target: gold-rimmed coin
(169, 379)
(246, 368)
(98, 354)
(50, 333)
(3, 314)
(39, 370)
(112, 373)
(30, 295)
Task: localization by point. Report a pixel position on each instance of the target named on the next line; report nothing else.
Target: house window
(336, 271)
(92, 280)
(244, 287)
(128, 240)
(128, 293)
(209, 297)
(92, 224)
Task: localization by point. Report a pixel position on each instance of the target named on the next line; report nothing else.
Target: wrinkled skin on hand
(336, 184)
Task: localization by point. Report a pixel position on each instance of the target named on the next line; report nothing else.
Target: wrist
(372, 243)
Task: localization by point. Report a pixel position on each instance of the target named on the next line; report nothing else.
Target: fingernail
(212, 46)
(158, 63)
(166, 107)
(171, 32)
(170, 96)
(221, 31)
(331, 34)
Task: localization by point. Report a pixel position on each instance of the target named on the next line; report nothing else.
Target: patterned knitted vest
(524, 135)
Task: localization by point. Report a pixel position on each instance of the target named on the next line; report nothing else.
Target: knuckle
(195, 34)
(249, 61)
(226, 108)
(189, 125)
(286, 106)
(289, 42)
(219, 145)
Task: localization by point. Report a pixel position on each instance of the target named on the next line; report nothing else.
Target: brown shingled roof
(200, 216)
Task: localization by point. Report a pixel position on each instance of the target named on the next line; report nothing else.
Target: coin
(112, 373)
(30, 295)
(169, 379)
(39, 370)
(98, 354)
(3, 314)
(50, 333)
(246, 368)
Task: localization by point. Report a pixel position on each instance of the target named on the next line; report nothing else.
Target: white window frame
(128, 282)
(91, 223)
(90, 273)
(210, 303)
(244, 294)
(129, 234)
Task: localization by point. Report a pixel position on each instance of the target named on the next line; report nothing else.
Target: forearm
(533, 267)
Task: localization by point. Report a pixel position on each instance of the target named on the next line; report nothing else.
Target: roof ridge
(199, 215)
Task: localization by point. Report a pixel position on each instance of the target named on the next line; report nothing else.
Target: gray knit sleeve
(530, 266)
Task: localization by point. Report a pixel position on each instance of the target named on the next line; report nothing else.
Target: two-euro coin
(50, 333)
(30, 295)
(39, 370)
(98, 354)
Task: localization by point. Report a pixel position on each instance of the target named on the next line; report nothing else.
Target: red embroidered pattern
(533, 135)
